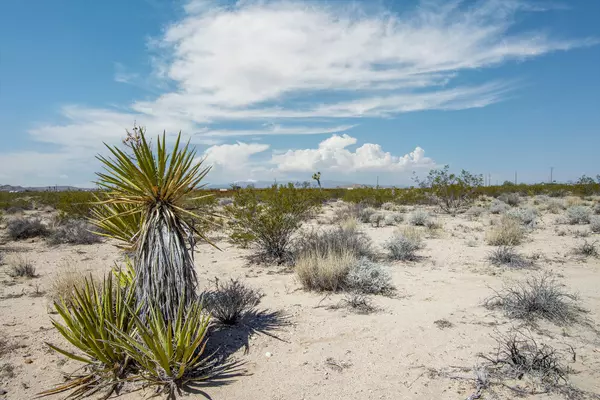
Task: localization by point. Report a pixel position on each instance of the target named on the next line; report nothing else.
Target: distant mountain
(10, 188)
(266, 184)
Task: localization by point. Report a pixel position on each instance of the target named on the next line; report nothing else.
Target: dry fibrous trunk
(164, 266)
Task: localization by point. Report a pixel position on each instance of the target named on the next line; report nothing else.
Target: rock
(268, 354)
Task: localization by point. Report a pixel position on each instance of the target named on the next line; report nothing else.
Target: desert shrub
(377, 219)
(595, 224)
(324, 272)
(358, 303)
(450, 191)
(518, 355)
(512, 199)
(573, 201)
(509, 232)
(539, 296)
(393, 219)
(365, 214)
(403, 245)
(554, 206)
(346, 238)
(368, 277)
(22, 267)
(508, 256)
(270, 218)
(25, 228)
(230, 301)
(475, 211)
(498, 207)
(347, 211)
(578, 215)
(527, 216)
(73, 232)
(419, 218)
(586, 249)
(389, 206)
(597, 208)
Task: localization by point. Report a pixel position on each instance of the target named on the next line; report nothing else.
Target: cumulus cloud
(333, 154)
(291, 67)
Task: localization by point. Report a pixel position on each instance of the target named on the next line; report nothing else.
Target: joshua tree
(144, 208)
(317, 177)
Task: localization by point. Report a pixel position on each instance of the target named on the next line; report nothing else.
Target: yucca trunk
(164, 264)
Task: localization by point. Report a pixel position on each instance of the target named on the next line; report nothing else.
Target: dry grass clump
(357, 302)
(64, 281)
(26, 228)
(508, 256)
(21, 267)
(324, 272)
(539, 296)
(586, 249)
(404, 244)
(577, 215)
(74, 232)
(509, 232)
(554, 206)
(345, 237)
(573, 201)
(230, 301)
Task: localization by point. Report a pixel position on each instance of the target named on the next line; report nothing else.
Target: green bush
(270, 217)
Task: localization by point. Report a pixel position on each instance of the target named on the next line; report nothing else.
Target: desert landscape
(430, 332)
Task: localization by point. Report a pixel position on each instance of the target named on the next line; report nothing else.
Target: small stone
(29, 361)
(268, 354)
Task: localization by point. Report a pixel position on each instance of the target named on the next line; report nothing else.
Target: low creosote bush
(540, 296)
(404, 245)
(419, 218)
(270, 218)
(229, 302)
(25, 228)
(508, 232)
(507, 256)
(498, 207)
(73, 232)
(368, 277)
(340, 239)
(579, 215)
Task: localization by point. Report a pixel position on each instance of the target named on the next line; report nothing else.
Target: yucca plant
(90, 319)
(169, 352)
(125, 275)
(153, 186)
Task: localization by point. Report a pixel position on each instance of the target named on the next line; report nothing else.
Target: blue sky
(279, 89)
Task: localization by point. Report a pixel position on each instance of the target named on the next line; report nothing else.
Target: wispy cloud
(302, 68)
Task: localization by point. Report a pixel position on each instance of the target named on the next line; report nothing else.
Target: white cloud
(333, 154)
(314, 65)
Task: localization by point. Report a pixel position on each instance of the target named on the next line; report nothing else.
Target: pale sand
(323, 353)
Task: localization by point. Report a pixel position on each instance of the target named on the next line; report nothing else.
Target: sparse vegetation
(498, 207)
(22, 267)
(368, 277)
(365, 214)
(508, 232)
(342, 238)
(539, 296)
(26, 228)
(527, 216)
(419, 218)
(595, 224)
(324, 271)
(508, 256)
(587, 249)
(512, 199)
(377, 219)
(403, 245)
(229, 302)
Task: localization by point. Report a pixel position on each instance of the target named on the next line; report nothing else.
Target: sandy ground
(317, 352)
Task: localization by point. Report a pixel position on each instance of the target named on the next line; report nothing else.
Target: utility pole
(551, 173)
(515, 177)
(377, 181)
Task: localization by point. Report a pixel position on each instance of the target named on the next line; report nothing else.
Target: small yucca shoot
(88, 323)
(169, 353)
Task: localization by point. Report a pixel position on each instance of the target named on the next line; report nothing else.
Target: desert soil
(315, 350)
